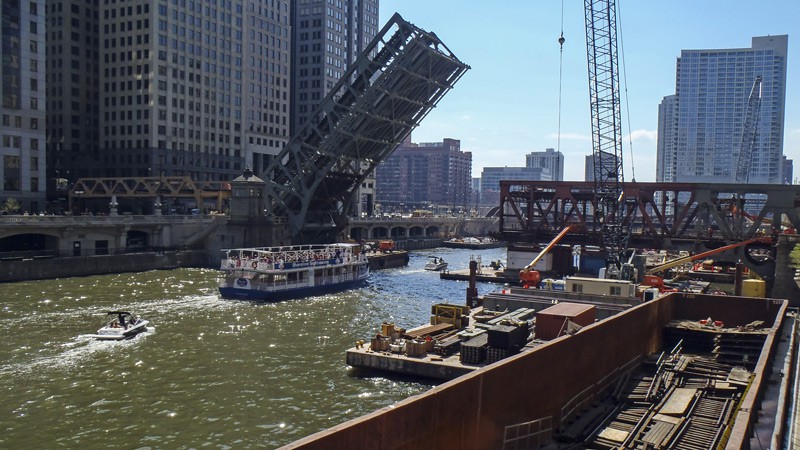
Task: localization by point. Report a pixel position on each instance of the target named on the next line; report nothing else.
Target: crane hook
(561, 41)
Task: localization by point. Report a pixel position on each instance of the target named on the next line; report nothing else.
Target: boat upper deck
(296, 257)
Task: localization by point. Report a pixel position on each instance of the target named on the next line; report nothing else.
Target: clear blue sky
(507, 105)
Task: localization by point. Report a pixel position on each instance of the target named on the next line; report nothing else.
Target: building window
(615, 290)
(34, 184)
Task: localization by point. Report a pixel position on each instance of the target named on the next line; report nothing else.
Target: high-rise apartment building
(588, 174)
(492, 176)
(550, 159)
(327, 37)
(23, 109)
(667, 139)
(707, 115)
(418, 175)
(149, 88)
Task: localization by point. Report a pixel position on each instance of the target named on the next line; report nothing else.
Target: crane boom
(530, 277)
(685, 259)
(604, 99)
(749, 133)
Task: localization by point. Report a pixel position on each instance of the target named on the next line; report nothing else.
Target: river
(210, 372)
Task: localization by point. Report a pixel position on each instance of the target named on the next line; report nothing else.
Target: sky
(507, 104)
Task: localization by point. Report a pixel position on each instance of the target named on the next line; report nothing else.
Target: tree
(11, 206)
(794, 257)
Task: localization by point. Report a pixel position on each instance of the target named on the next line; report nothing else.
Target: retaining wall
(78, 266)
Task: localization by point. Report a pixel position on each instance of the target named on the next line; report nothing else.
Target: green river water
(210, 372)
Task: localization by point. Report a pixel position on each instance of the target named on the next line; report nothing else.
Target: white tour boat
(280, 273)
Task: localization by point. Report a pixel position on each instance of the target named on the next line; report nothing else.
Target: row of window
(14, 162)
(123, 11)
(13, 184)
(11, 141)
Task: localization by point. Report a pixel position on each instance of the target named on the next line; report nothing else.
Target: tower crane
(604, 99)
(749, 133)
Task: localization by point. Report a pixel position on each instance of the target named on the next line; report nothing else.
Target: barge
(620, 382)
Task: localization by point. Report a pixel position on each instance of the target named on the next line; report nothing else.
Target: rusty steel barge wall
(471, 412)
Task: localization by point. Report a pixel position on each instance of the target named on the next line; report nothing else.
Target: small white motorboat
(121, 325)
(436, 264)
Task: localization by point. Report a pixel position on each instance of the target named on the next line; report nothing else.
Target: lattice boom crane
(749, 133)
(604, 98)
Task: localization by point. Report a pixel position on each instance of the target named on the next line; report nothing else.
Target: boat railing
(280, 265)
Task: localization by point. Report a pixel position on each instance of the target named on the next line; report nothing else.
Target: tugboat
(436, 264)
(121, 325)
(281, 273)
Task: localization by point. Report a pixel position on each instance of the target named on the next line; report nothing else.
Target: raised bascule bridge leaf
(385, 94)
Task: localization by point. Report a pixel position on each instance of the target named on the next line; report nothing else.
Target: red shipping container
(551, 322)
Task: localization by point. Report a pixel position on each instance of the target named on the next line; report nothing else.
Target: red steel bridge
(668, 216)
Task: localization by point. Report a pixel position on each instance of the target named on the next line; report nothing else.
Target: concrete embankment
(78, 266)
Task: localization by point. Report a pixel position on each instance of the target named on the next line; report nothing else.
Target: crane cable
(560, 66)
(625, 90)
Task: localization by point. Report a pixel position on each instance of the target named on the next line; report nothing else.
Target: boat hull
(288, 294)
(122, 334)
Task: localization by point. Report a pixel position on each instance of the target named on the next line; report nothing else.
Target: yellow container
(754, 288)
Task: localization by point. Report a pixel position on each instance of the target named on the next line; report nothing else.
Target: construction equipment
(604, 99)
(651, 279)
(530, 277)
(749, 133)
(386, 246)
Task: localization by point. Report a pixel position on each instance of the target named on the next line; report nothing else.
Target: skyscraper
(667, 128)
(23, 108)
(190, 88)
(550, 159)
(327, 38)
(712, 88)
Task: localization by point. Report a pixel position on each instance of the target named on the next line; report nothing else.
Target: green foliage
(794, 257)
(11, 206)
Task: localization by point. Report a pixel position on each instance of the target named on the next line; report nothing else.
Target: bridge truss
(384, 95)
(150, 188)
(669, 216)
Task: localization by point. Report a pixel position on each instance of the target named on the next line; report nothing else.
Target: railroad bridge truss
(669, 216)
(383, 96)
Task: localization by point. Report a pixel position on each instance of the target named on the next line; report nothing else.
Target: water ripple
(211, 372)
